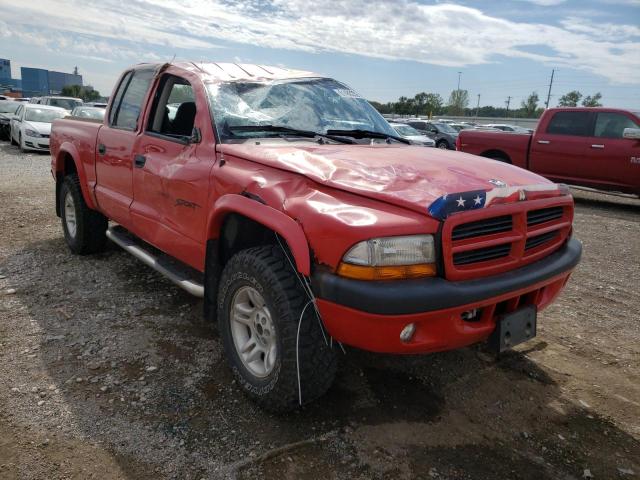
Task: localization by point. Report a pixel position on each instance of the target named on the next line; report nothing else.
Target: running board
(180, 274)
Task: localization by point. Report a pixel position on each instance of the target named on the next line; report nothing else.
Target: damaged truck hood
(412, 177)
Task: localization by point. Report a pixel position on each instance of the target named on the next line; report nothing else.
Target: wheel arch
(496, 154)
(240, 212)
(68, 163)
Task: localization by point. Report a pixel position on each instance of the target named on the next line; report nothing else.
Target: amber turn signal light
(360, 272)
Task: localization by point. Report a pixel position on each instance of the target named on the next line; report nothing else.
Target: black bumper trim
(402, 297)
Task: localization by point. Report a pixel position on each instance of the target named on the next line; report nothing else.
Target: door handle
(544, 142)
(597, 146)
(139, 161)
(102, 149)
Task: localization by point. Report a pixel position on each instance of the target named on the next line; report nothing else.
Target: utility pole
(508, 102)
(478, 107)
(546, 105)
(459, 74)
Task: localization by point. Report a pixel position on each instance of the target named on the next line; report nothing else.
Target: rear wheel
(84, 228)
(272, 337)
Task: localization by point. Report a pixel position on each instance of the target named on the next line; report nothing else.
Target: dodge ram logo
(497, 183)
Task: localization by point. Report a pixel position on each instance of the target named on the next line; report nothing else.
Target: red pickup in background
(592, 147)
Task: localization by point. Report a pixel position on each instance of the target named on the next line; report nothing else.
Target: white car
(31, 126)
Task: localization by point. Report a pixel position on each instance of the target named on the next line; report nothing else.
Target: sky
(382, 49)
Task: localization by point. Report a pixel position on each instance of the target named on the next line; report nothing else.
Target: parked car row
(28, 125)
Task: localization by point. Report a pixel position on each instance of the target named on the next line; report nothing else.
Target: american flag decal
(452, 203)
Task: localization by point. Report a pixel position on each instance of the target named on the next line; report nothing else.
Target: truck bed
(505, 146)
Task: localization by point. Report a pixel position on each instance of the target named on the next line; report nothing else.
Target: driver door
(172, 170)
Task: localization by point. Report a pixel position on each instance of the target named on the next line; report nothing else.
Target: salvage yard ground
(107, 371)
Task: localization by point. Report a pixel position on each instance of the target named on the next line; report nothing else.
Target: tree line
(425, 104)
(78, 91)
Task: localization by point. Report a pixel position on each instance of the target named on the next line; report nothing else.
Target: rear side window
(570, 123)
(612, 125)
(118, 97)
(128, 110)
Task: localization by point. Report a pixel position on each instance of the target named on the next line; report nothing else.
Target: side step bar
(170, 268)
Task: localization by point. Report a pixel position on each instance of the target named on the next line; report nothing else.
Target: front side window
(128, 111)
(570, 123)
(309, 104)
(612, 125)
(174, 109)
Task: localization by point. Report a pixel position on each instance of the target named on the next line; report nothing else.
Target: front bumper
(36, 143)
(371, 315)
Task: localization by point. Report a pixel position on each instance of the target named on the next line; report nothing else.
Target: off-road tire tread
(90, 224)
(318, 361)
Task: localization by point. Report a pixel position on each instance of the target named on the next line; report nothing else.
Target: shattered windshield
(310, 104)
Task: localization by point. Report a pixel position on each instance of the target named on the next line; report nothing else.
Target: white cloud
(441, 34)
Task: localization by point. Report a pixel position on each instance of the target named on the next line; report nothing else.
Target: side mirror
(633, 133)
(196, 136)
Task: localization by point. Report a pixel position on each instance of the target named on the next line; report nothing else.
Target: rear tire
(260, 298)
(84, 228)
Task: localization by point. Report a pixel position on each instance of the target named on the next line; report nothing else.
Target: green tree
(570, 99)
(530, 105)
(78, 91)
(592, 100)
(458, 101)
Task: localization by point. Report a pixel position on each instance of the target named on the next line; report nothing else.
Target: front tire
(443, 145)
(261, 308)
(23, 148)
(13, 142)
(84, 228)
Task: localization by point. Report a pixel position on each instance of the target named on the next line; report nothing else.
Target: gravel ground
(107, 371)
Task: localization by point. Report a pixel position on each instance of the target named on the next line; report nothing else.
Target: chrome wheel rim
(70, 214)
(253, 333)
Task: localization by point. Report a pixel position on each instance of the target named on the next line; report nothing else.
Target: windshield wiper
(284, 130)
(368, 134)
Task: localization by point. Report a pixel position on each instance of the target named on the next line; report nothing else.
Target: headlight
(31, 133)
(390, 258)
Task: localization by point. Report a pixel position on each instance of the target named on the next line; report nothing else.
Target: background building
(37, 82)
(5, 69)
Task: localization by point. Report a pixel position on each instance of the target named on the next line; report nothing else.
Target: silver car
(413, 135)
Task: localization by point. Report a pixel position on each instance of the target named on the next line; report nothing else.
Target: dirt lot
(107, 371)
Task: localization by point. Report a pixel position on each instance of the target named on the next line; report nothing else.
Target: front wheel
(84, 229)
(273, 340)
(443, 145)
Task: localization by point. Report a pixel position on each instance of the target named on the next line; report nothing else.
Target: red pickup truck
(290, 205)
(592, 147)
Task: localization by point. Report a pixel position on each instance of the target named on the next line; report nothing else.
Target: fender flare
(68, 148)
(277, 221)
